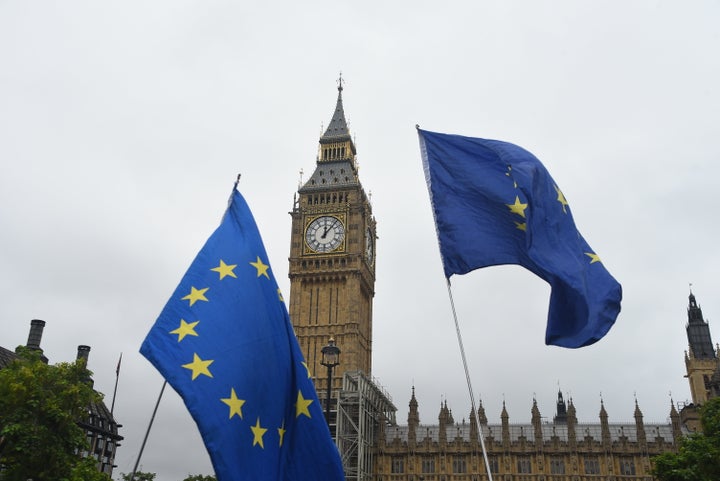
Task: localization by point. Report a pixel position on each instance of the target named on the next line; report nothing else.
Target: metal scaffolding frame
(362, 406)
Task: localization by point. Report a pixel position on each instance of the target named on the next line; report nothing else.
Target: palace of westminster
(332, 274)
(332, 285)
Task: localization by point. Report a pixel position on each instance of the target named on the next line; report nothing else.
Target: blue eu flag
(224, 341)
(495, 203)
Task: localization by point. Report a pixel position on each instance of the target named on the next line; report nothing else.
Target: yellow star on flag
(234, 403)
(561, 198)
(301, 407)
(198, 366)
(196, 295)
(521, 225)
(595, 258)
(281, 432)
(225, 270)
(307, 369)
(280, 297)
(261, 268)
(518, 207)
(258, 433)
(185, 329)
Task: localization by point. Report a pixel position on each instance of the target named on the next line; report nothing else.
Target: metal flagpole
(152, 418)
(117, 378)
(469, 384)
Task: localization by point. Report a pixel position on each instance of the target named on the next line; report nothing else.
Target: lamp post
(330, 359)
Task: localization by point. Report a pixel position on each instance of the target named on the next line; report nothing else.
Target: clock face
(325, 234)
(369, 246)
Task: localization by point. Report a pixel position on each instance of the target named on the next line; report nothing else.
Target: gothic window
(592, 465)
(557, 465)
(523, 465)
(494, 464)
(428, 465)
(398, 465)
(627, 466)
(459, 464)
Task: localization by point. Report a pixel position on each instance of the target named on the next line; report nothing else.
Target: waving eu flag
(495, 203)
(224, 341)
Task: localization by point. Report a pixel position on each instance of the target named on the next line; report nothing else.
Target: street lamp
(330, 359)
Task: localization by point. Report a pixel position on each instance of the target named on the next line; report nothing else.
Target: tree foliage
(40, 405)
(698, 456)
(139, 476)
(200, 477)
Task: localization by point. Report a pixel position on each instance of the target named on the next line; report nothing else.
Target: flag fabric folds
(495, 203)
(225, 343)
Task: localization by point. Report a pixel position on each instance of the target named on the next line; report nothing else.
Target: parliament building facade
(332, 279)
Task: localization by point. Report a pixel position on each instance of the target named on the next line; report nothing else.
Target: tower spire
(337, 130)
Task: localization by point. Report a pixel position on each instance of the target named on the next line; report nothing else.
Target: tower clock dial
(325, 234)
(369, 246)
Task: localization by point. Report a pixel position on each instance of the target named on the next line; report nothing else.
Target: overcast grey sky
(124, 124)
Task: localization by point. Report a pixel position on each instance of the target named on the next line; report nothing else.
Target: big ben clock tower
(332, 257)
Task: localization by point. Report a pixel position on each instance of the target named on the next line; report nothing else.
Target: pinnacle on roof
(337, 128)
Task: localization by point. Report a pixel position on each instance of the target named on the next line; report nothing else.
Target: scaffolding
(362, 406)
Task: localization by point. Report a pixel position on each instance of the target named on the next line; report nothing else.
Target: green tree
(200, 477)
(139, 476)
(40, 405)
(698, 456)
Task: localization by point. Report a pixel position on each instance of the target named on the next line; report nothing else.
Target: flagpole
(469, 384)
(152, 418)
(117, 378)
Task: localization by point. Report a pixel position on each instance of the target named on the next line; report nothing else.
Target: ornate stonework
(332, 257)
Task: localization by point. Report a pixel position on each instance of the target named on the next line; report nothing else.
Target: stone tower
(701, 359)
(332, 257)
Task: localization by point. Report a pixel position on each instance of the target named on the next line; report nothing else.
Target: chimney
(83, 352)
(36, 332)
(35, 336)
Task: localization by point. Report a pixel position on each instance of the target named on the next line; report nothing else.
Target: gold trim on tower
(325, 234)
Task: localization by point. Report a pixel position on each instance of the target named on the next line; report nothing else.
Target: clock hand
(327, 229)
